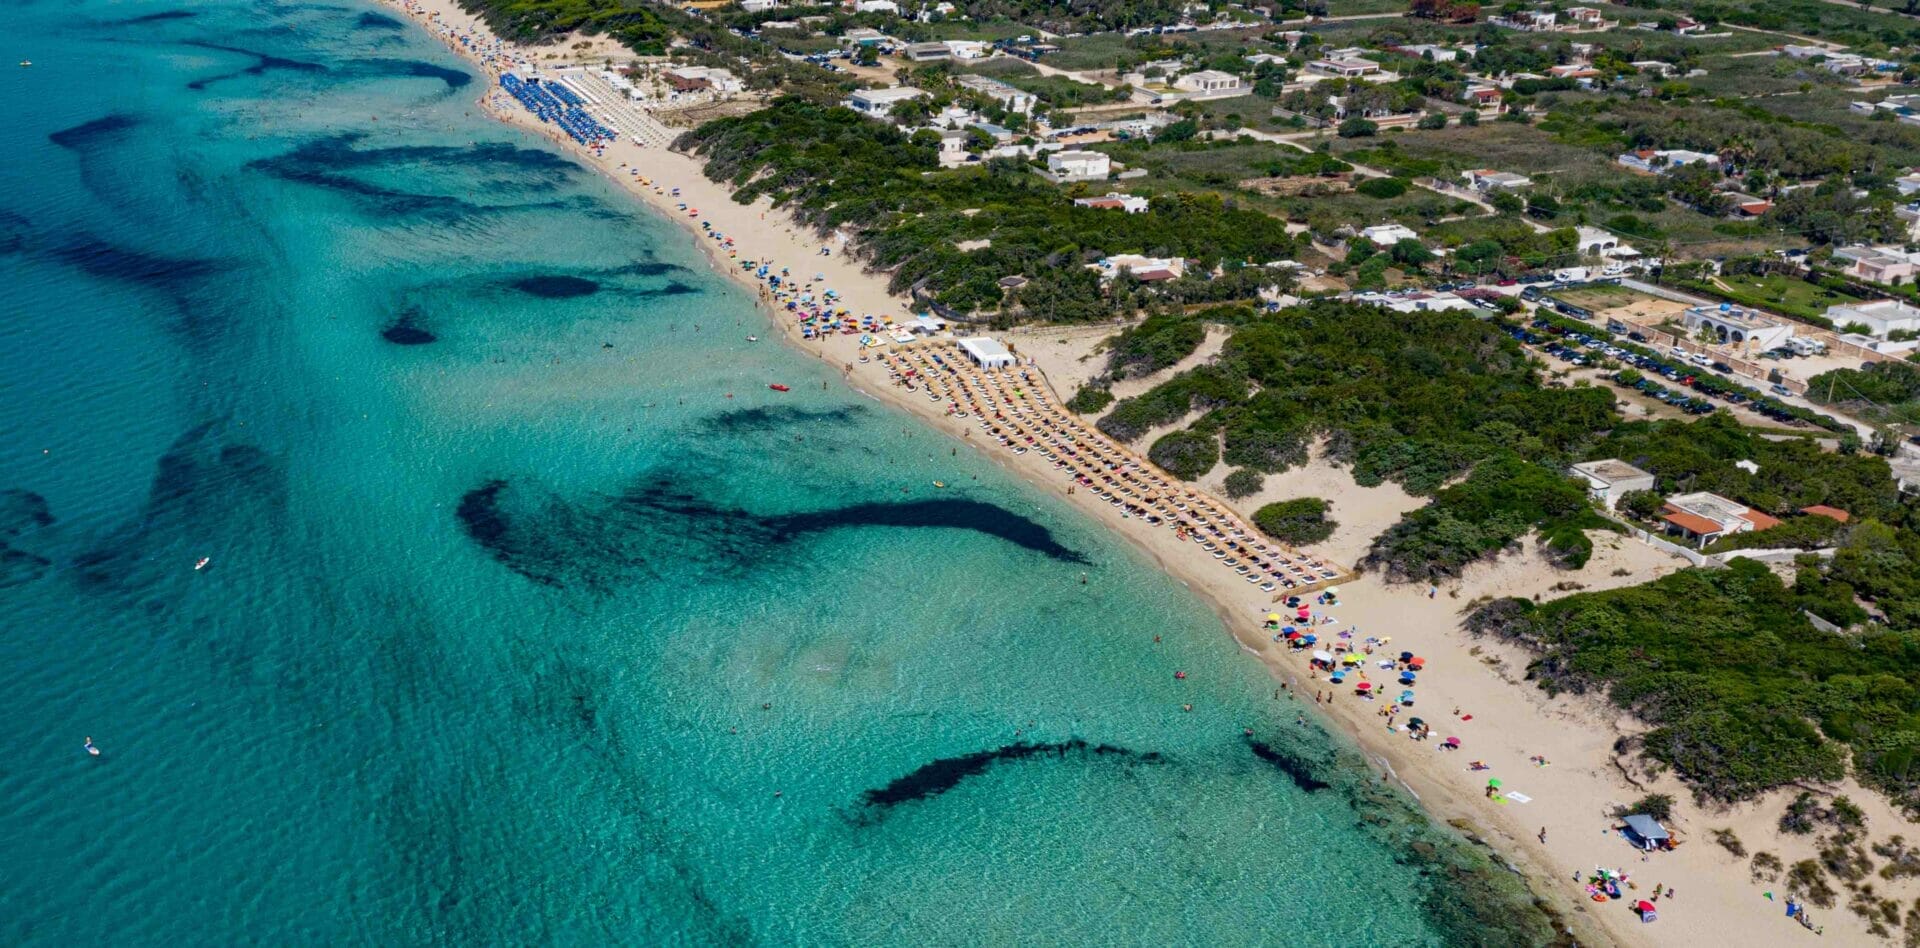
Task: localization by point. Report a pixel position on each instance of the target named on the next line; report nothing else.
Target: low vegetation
(1300, 521)
(1744, 695)
(836, 170)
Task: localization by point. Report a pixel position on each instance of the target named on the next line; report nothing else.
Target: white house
(1079, 165)
(1386, 235)
(758, 6)
(1115, 201)
(1209, 84)
(1014, 100)
(1881, 317)
(876, 6)
(1144, 269)
(1344, 68)
(1702, 516)
(863, 36)
(1415, 302)
(1737, 326)
(1661, 162)
(1487, 180)
(1599, 243)
(967, 49)
(876, 103)
(1429, 51)
(1609, 479)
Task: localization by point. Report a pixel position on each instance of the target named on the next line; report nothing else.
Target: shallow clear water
(516, 626)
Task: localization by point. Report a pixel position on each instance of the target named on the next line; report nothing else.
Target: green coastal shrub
(1185, 454)
(1157, 343)
(1382, 188)
(1244, 482)
(1300, 521)
(1089, 400)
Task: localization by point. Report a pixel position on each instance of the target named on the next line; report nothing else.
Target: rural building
(1014, 100)
(1884, 264)
(1661, 162)
(1386, 235)
(1209, 84)
(1416, 302)
(1115, 201)
(876, 103)
(1739, 326)
(1881, 317)
(1079, 165)
(1344, 68)
(1144, 269)
(928, 52)
(1704, 517)
(1487, 180)
(1610, 479)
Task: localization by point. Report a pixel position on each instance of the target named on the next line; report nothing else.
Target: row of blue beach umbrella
(557, 104)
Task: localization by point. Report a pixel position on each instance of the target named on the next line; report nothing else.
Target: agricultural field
(1364, 7)
(1504, 146)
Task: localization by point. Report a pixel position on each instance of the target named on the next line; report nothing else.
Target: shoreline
(1507, 720)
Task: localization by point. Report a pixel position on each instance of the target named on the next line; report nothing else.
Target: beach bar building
(987, 352)
(1610, 479)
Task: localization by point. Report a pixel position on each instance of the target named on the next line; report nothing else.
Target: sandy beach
(1474, 689)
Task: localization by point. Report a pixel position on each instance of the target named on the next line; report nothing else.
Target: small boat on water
(95, 751)
(753, 338)
(779, 388)
(202, 564)
(939, 483)
(26, 62)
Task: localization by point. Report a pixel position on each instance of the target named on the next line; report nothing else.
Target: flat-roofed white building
(1487, 180)
(1079, 165)
(987, 352)
(1386, 235)
(1209, 84)
(1015, 100)
(1608, 480)
(1703, 517)
(1344, 68)
(1881, 317)
(1735, 325)
(878, 102)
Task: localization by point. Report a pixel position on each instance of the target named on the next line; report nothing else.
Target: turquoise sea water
(518, 629)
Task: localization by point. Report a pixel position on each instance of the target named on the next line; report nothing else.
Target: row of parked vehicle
(1567, 345)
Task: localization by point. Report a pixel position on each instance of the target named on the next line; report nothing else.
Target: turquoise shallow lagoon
(517, 628)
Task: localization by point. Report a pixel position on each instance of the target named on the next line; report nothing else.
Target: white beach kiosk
(987, 353)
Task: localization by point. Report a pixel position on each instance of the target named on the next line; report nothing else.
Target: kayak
(778, 387)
